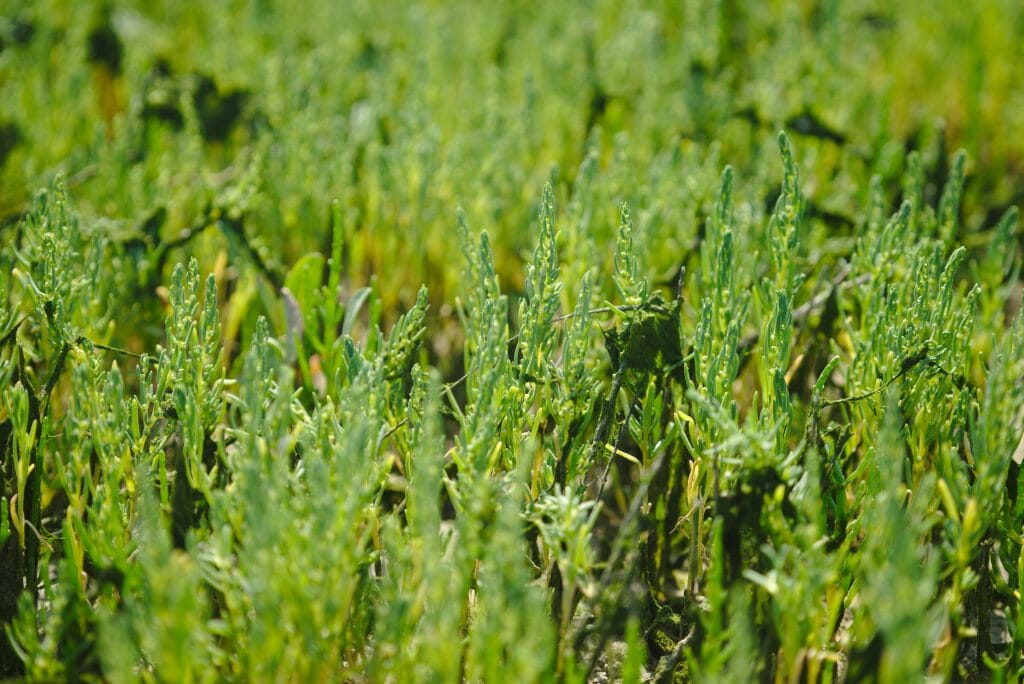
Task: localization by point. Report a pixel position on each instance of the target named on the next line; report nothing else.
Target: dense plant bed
(407, 342)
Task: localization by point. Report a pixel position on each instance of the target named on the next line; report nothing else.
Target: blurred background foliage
(403, 111)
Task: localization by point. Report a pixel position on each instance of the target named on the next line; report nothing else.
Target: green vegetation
(388, 341)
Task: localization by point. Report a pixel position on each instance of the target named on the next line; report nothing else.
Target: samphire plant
(575, 502)
(699, 403)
